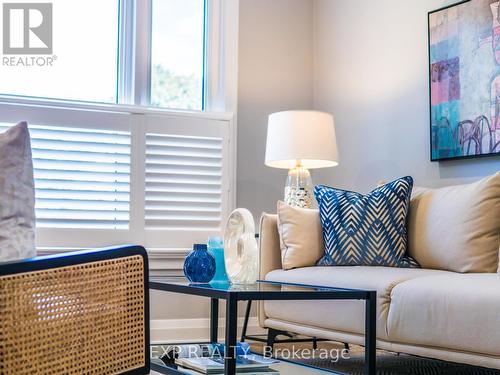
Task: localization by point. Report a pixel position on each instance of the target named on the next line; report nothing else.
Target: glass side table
(263, 290)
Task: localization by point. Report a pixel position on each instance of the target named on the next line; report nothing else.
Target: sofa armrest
(76, 312)
(270, 252)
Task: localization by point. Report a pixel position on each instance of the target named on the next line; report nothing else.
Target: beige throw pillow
(301, 238)
(456, 228)
(17, 195)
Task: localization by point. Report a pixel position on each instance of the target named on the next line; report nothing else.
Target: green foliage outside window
(170, 90)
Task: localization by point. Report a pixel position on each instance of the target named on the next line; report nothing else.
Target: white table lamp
(298, 141)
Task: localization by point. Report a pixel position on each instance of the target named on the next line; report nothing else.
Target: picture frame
(464, 80)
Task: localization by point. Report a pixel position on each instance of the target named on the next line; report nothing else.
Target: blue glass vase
(199, 265)
(216, 247)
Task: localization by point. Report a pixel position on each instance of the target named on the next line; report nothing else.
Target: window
(93, 61)
(177, 58)
(109, 174)
(85, 44)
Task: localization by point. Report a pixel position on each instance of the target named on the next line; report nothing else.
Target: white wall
(275, 74)
(371, 73)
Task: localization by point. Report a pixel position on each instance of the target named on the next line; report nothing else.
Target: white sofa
(433, 313)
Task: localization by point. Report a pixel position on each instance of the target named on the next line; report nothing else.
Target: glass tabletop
(261, 290)
(259, 286)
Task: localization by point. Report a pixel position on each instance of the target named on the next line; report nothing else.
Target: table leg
(214, 320)
(245, 322)
(231, 328)
(371, 334)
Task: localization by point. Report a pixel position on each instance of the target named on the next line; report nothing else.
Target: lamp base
(299, 188)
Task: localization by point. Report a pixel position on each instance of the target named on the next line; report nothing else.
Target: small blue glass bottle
(199, 265)
(216, 247)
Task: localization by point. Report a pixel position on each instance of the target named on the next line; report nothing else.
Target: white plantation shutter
(186, 180)
(82, 177)
(183, 182)
(105, 178)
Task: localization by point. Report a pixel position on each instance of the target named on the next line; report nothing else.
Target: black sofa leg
(346, 346)
(271, 337)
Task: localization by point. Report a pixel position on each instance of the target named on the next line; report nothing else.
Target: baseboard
(167, 331)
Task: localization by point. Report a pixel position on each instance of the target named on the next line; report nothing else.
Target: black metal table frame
(232, 298)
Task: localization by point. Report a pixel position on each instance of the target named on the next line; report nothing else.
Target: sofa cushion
(17, 195)
(346, 316)
(365, 230)
(456, 228)
(455, 311)
(301, 238)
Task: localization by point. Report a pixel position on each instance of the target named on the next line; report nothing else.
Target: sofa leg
(271, 337)
(346, 346)
(315, 343)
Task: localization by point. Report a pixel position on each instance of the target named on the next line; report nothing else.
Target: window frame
(220, 66)
(220, 70)
(220, 87)
(134, 60)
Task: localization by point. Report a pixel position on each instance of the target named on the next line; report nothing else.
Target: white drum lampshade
(300, 140)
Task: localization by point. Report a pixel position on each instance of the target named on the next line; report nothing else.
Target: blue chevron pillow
(365, 230)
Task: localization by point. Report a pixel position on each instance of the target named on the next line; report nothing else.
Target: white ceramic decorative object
(241, 254)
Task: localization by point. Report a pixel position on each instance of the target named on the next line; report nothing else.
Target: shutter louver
(183, 182)
(82, 177)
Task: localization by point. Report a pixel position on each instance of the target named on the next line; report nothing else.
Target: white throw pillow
(17, 195)
(301, 238)
(456, 228)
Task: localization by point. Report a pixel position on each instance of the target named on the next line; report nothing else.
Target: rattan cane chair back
(89, 317)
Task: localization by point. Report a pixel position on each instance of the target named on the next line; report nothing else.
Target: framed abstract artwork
(464, 74)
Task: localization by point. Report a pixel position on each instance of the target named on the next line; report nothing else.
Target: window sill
(121, 108)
